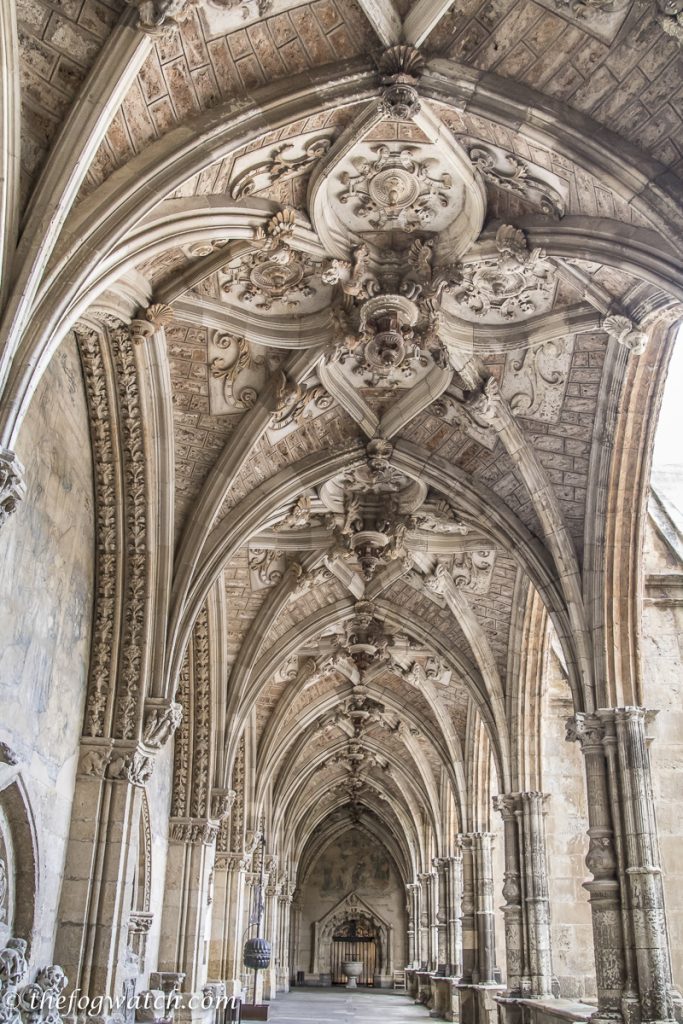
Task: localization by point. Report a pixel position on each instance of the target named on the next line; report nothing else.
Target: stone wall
(662, 674)
(353, 863)
(46, 586)
(567, 843)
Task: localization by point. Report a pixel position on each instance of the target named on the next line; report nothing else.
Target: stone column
(532, 827)
(270, 931)
(612, 976)
(427, 920)
(285, 901)
(630, 785)
(454, 914)
(441, 865)
(432, 886)
(295, 912)
(413, 907)
(469, 935)
(100, 864)
(186, 916)
(483, 890)
(229, 892)
(517, 975)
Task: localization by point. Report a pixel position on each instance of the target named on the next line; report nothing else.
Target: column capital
(193, 830)
(586, 729)
(116, 760)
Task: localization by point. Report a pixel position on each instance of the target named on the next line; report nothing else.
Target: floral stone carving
(395, 190)
(508, 172)
(516, 283)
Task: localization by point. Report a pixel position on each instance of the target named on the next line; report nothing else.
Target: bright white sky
(668, 449)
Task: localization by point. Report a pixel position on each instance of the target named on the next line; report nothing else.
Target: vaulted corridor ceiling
(374, 304)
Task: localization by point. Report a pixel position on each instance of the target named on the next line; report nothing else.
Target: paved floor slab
(339, 1006)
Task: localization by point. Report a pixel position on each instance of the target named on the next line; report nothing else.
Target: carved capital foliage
(116, 762)
(588, 730)
(505, 804)
(135, 767)
(193, 830)
(12, 486)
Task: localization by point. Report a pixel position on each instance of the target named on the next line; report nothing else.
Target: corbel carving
(160, 725)
(155, 317)
(670, 17)
(12, 485)
(156, 15)
(626, 333)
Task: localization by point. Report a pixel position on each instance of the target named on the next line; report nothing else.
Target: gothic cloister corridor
(341, 563)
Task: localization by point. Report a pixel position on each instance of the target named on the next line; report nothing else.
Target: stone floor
(338, 1006)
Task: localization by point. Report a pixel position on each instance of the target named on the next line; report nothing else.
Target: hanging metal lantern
(257, 954)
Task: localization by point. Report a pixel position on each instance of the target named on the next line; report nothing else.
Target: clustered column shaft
(632, 959)
(527, 907)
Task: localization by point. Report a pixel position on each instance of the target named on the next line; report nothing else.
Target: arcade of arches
(337, 605)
